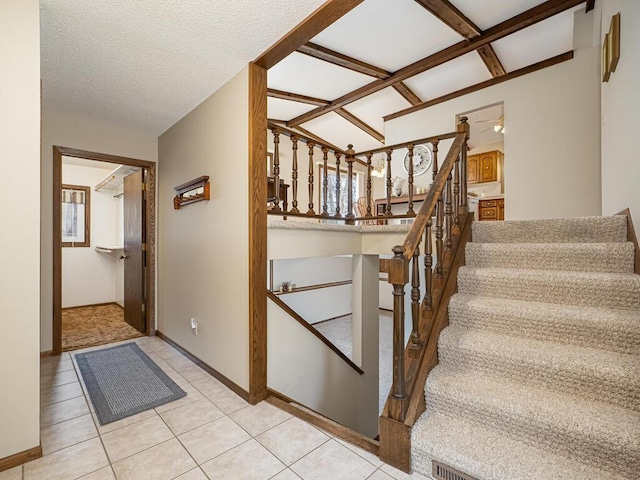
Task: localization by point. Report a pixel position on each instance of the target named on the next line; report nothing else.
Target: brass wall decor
(611, 48)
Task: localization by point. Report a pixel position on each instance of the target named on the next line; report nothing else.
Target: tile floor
(209, 434)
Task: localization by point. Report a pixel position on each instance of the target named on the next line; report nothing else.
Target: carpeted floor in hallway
(84, 327)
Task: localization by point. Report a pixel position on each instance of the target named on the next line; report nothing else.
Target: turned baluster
(415, 298)
(350, 158)
(398, 277)
(410, 210)
(337, 214)
(294, 174)
(448, 214)
(434, 165)
(311, 145)
(276, 171)
(387, 208)
(456, 193)
(439, 235)
(463, 126)
(325, 182)
(369, 156)
(428, 263)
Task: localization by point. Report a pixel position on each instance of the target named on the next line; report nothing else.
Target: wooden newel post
(410, 210)
(369, 156)
(350, 158)
(463, 126)
(311, 145)
(398, 277)
(276, 171)
(294, 174)
(325, 181)
(337, 214)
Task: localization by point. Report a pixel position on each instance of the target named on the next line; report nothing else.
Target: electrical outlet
(194, 326)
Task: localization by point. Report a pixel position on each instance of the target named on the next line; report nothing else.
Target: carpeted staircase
(539, 373)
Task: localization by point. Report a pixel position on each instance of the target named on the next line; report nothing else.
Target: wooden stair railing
(446, 201)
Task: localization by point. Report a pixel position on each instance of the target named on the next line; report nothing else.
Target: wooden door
(134, 240)
(488, 167)
(472, 169)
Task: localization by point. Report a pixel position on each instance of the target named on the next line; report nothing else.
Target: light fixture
(380, 170)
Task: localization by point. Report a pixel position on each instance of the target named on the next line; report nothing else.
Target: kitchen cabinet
(492, 209)
(484, 167)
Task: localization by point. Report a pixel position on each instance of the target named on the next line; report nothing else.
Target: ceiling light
(379, 171)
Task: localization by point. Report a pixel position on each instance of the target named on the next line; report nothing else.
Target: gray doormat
(123, 381)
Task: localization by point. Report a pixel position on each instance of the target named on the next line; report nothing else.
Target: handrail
(308, 326)
(435, 138)
(288, 132)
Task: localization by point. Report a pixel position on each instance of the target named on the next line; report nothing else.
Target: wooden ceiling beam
(407, 93)
(515, 24)
(591, 4)
(325, 15)
(360, 124)
(295, 97)
(488, 83)
(491, 60)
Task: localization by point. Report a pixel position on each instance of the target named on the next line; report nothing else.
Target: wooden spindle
(337, 214)
(350, 158)
(369, 156)
(448, 214)
(387, 208)
(398, 277)
(294, 174)
(410, 210)
(456, 193)
(439, 235)
(434, 165)
(311, 145)
(325, 181)
(463, 126)
(276, 171)
(415, 299)
(428, 263)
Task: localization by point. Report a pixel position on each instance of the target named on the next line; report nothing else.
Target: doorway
(133, 255)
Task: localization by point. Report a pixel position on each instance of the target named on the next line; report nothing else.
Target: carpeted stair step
(486, 454)
(593, 433)
(580, 257)
(592, 289)
(563, 230)
(601, 328)
(596, 375)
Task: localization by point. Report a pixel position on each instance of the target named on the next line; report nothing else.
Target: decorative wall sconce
(611, 48)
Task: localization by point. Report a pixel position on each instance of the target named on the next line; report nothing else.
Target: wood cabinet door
(472, 169)
(488, 167)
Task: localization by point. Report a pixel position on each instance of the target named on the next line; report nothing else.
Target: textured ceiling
(144, 64)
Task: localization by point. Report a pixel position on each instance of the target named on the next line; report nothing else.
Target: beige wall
(620, 105)
(552, 139)
(74, 132)
(203, 248)
(20, 261)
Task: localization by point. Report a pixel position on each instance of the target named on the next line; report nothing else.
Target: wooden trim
(285, 131)
(491, 60)
(395, 443)
(332, 318)
(519, 22)
(631, 237)
(150, 285)
(444, 136)
(335, 58)
(87, 216)
(591, 4)
(46, 353)
(487, 83)
(317, 286)
(448, 14)
(408, 94)
(288, 310)
(360, 124)
(315, 23)
(20, 458)
(314, 418)
(91, 305)
(295, 97)
(237, 389)
(257, 217)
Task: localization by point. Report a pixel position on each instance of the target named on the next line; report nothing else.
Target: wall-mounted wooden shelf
(193, 191)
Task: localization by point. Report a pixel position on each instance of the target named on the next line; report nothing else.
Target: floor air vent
(445, 472)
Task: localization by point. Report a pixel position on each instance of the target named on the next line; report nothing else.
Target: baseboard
(311, 416)
(20, 458)
(48, 353)
(237, 389)
(91, 305)
(332, 318)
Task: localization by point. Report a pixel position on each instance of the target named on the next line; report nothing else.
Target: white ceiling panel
(299, 73)
(371, 109)
(487, 13)
(388, 34)
(279, 109)
(550, 37)
(446, 78)
(335, 129)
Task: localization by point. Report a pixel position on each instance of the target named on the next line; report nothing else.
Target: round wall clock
(421, 160)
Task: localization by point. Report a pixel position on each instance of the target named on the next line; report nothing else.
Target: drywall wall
(552, 139)
(203, 269)
(90, 277)
(75, 132)
(620, 104)
(20, 242)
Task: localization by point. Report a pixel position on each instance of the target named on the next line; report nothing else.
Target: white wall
(203, 248)
(90, 277)
(20, 242)
(620, 104)
(75, 132)
(552, 144)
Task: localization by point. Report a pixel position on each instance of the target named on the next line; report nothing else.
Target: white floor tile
(249, 461)
(190, 416)
(212, 439)
(167, 460)
(132, 439)
(292, 440)
(66, 434)
(332, 460)
(69, 463)
(259, 418)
